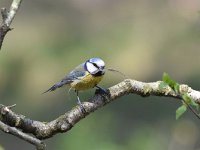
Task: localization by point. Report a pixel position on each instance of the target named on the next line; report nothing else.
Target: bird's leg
(102, 89)
(79, 103)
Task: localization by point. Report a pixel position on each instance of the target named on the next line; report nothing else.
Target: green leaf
(176, 87)
(165, 77)
(180, 111)
(163, 85)
(172, 83)
(190, 101)
(186, 98)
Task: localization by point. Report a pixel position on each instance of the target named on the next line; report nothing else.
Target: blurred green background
(141, 38)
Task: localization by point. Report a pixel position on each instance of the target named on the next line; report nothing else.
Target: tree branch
(44, 130)
(8, 17)
(12, 130)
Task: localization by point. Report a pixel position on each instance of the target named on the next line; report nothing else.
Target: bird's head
(95, 66)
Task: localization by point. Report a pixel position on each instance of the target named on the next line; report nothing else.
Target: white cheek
(101, 63)
(91, 68)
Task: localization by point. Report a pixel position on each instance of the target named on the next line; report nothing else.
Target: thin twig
(8, 17)
(11, 106)
(191, 109)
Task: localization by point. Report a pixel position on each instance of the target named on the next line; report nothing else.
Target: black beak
(102, 70)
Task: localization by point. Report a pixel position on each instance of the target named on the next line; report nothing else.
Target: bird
(85, 76)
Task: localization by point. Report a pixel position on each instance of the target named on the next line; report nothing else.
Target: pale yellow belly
(87, 82)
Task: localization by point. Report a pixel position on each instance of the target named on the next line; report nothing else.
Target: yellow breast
(86, 82)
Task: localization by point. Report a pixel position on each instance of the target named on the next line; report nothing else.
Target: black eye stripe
(95, 65)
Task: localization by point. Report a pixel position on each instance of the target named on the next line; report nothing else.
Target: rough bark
(44, 130)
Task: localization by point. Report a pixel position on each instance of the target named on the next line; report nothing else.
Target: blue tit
(85, 76)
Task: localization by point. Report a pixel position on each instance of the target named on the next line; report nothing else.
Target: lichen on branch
(44, 130)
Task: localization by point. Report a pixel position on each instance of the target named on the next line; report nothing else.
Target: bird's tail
(54, 87)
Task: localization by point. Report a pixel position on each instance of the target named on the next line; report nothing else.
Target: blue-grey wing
(76, 74)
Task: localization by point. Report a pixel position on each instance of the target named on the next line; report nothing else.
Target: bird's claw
(102, 90)
(81, 107)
